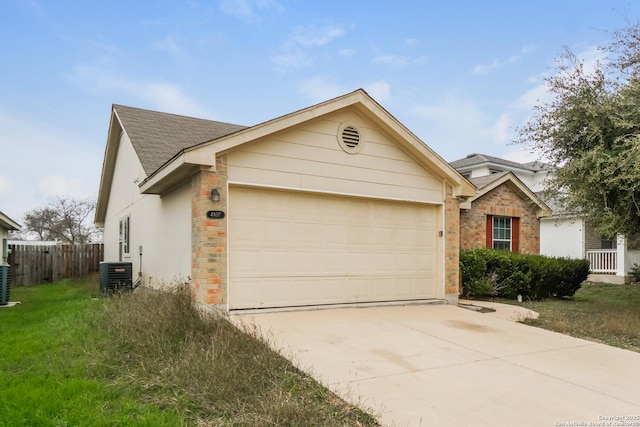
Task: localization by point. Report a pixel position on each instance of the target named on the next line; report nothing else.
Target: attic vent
(349, 138)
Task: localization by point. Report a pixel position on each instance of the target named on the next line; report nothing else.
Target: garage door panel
(295, 249)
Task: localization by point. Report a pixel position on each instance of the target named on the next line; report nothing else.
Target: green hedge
(489, 272)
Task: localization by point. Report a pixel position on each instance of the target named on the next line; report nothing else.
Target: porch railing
(603, 260)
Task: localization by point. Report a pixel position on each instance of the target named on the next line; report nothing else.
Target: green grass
(146, 358)
(598, 312)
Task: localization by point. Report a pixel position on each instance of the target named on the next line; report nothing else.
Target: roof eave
(108, 166)
(360, 100)
(543, 209)
(8, 223)
(176, 171)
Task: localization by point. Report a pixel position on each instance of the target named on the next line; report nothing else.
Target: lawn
(598, 312)
(69, 358)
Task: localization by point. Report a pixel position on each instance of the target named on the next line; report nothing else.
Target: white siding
(562, 237)
(309, 157)
(162, 226)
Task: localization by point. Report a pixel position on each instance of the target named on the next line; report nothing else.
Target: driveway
(426, 365)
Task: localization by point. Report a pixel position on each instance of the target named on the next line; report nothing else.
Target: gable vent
(349, 138)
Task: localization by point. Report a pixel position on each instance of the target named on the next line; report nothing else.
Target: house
(337, 203)
(562, 234)
(504, 214)
(6, 225)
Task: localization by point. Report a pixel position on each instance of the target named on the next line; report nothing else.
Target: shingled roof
(157, 137)
(483, 181)
(478, 159)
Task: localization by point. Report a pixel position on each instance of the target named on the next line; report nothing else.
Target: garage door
(298, 249)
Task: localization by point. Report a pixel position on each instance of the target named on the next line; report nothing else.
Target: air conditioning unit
(5, 283)
(115, 277)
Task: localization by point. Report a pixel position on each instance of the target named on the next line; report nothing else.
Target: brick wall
(502, 201)
(209, 236)
(452, 248)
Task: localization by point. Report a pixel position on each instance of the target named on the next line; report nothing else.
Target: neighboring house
(532, 174)
(561, 234)
(337, 203)
(504, 214)
(6, 225)
(571, 235)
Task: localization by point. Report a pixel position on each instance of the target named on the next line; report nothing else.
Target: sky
(461, 75)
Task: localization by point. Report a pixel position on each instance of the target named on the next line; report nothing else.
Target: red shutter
(489, 232)
(515, 234)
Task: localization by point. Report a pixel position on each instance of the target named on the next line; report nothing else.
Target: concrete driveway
(427, 365)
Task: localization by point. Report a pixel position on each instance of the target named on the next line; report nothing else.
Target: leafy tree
(67, 220)
(590, 131)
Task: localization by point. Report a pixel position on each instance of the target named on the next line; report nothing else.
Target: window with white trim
(501, 235)
(124, 237)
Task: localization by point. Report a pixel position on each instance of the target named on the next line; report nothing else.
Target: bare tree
(67, 220)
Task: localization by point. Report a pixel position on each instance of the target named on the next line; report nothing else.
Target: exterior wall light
(215, 195)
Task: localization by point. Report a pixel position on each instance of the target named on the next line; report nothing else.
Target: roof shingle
(477, 159)
(157, 137)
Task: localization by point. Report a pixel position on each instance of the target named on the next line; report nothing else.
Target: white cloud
(162, 96)
(6, 187)
(292, 60)
(498, 63)
(295, 51)
(169, 44)
(346, 53)
(502, 130)
(167, 97)
(318, 89)
(411, 42)
(451, 124)
(316, 35)
(56, 185)
(520, 156)
(392, 60)
(248, 10)
(380, 91)
(42, 156)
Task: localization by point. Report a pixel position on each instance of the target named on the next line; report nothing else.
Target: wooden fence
(34, 264)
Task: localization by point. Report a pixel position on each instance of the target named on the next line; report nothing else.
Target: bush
(488, 272)
(635, 273)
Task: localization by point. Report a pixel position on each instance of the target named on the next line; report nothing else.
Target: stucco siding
(162, 226)
(309, 157)
(562, 237)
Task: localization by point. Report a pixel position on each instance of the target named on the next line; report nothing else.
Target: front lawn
(599, 312)
(146, 359)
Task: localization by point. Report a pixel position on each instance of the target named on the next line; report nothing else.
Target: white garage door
(296, 249)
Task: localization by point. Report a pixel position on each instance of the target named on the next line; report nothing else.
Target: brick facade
(209, 236)
(209, 239)
(503, 200)
(452, 248)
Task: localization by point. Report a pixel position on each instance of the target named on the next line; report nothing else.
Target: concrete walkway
(444, 365)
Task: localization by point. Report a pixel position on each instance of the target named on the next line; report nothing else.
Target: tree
(67, 220)
(590, 131)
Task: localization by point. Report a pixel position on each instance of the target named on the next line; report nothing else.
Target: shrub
(488, 272)
(635, 273)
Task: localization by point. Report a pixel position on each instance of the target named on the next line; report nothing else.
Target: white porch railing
(603, 260)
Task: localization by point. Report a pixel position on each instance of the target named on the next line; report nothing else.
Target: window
(503, 233)
(124, 237)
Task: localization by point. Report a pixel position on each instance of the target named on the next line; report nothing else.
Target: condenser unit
(5, 283)
(115, 277)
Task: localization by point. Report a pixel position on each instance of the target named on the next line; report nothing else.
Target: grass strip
(147, 358)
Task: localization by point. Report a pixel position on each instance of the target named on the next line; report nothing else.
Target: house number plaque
(215, 214)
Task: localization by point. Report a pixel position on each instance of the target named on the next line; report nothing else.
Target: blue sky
(461, 75)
